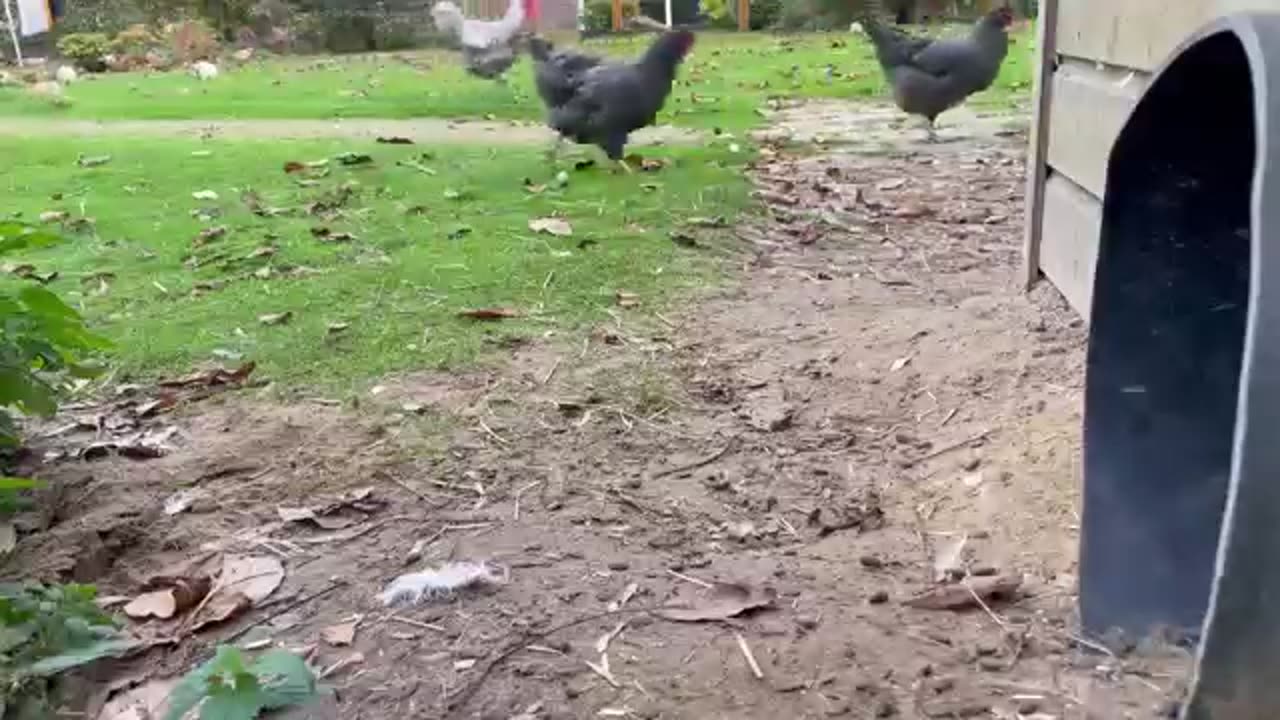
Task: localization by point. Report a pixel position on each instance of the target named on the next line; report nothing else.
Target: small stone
(987, 649)
(619, 565)
(972, 464)
(718, 482)
(886, 709)
(632, 483)
(984, 571)
(991, 664)
(1029, 706)
(924, 671)
(808, 622)
(879, 597)
(871, 562)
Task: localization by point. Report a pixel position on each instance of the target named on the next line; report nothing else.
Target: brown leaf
(722, 601)
(276, 318)
(224, 606)
(395, 141)
(551, 226)
(341, 634)
(175, 595)
(209, 235)
(489, 313)
(965, 594)
(254, 576)
(293, 166)
(212, 377)
(626, 299)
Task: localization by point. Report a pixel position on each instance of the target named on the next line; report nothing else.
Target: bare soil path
(872, 406)
(423, 130)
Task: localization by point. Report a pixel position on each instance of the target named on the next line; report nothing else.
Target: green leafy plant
(228, 687)
(86, 49)
(42, 340)
(44, 631)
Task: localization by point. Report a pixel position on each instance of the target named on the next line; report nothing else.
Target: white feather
(442, 582)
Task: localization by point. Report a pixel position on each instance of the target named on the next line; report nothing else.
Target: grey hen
(608, 101)
(930, 76)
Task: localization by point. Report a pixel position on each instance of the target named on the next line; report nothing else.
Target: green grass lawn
(430, 241)
(729, 77)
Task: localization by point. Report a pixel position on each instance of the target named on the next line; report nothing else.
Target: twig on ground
(409, 488)
(746, 653)
(415, 623)
(953, 446)
(460, 698)
(515, 515)
(698, 463)
(334, 585)
(489, 431)
(688, 579)
(550, 373)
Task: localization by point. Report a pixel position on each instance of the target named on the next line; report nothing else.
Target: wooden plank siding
(1098, 56)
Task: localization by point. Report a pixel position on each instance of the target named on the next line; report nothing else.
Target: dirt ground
(872, 405)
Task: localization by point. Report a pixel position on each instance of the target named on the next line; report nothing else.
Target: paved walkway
(425, 130)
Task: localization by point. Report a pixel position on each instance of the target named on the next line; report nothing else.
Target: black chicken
(931, 76)
(557, 74)
(601, 103)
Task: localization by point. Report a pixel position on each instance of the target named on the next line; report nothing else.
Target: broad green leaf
(43, 302)
(285, 677)
(17, 236)
(77, 657)
(242, 705)
(17, 483)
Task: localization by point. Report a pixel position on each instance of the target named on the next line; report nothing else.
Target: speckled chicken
(931, 76)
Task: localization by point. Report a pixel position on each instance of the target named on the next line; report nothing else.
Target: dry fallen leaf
(208, 235)
(255, 576)
(204, 195)
(340, 634)
(223, 606)
(294, 166)
(552, 226)
(276, 318)
(175, 595)
(489, 313)
(722, 601)
(626, 299)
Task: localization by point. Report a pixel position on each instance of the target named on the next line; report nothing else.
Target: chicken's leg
(932, 131)
(553, 153)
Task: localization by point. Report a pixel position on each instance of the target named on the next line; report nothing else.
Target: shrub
(598, 14)
(85, 49)
(765, 14)
(134, 41)
(191, 40)
(44, 631)
(41, 340)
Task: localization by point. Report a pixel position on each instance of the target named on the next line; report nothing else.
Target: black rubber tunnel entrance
(1181, 517)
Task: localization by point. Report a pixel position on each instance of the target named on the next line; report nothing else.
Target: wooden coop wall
(1105, 51)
